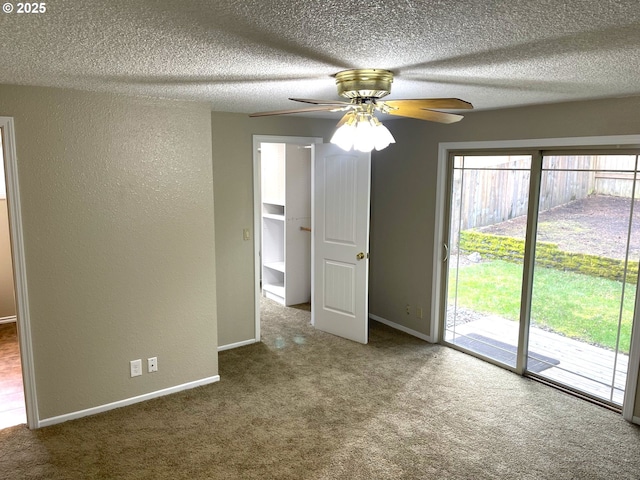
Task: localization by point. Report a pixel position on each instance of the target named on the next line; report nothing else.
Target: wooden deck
(587, 368)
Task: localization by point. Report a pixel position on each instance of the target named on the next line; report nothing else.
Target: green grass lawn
(579, 306)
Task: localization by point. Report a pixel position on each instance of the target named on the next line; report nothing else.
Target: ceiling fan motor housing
(364, 83)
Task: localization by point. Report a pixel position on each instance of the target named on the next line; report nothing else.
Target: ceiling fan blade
(320, 108)
(320, 102)
(453, 103)
(430, 115)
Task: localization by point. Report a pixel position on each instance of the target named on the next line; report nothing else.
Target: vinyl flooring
(12, 409)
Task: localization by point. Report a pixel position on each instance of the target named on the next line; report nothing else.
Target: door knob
(360, 256)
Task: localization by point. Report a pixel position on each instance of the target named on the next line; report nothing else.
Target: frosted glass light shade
(383, 137)
(364, 137)
(363, 133)
(343, 136)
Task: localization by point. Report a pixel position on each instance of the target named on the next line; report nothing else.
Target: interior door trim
(20, 271)
(257, 212)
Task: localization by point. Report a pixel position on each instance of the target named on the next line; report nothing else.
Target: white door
(340, 225)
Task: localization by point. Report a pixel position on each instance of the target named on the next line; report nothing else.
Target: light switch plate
(136, 367)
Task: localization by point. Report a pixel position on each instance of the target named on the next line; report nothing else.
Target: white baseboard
(421, 336)
(8, 319)
(236, 345)
(127, 401)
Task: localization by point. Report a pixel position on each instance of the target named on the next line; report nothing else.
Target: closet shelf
(279, 266)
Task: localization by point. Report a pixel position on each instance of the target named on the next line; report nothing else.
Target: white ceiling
(251, 55)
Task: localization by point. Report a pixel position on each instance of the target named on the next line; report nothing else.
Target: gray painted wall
(233, 186)
(118, 218)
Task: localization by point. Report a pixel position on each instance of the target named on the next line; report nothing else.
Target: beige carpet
(308, 405)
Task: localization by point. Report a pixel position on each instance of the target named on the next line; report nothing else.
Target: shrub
(547, 255)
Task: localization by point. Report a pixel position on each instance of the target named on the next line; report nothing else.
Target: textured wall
(117, 206)
(233, 186)
(7, 301)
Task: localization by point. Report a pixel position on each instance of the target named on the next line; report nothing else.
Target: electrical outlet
(152, 363)
(408, 308)
(136, 367)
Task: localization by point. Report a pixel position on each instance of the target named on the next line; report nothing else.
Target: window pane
(611, 163)
(488, 225)
(583, 288)
(492, 162)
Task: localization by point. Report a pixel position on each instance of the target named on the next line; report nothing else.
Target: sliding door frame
(529, 250)
(533, 208)
(443, 192)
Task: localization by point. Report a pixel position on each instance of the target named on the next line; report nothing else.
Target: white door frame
(20, 271)
(437, 306)
(257, 209)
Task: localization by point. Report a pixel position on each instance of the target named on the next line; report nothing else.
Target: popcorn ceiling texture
(252, 55)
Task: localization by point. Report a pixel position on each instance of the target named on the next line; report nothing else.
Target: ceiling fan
(359, 128)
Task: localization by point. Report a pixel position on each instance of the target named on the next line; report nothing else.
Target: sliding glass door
(489, 201)
(543, 265)
(585, 275)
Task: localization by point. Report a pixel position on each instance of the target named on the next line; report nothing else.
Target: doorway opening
(12, 401)
(543, 265)
(282, 221)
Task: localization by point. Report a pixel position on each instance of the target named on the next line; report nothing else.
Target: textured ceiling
(251, 55)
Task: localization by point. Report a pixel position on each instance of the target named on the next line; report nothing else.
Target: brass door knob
(360, 256)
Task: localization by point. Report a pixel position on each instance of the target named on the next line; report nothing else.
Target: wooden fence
(497, 190)
(614, 176)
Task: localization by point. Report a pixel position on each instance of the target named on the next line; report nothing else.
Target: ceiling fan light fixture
(362, 131)
(359, 129)
(364, 83)
(364, 138)
(383, 137)
(344, 135)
